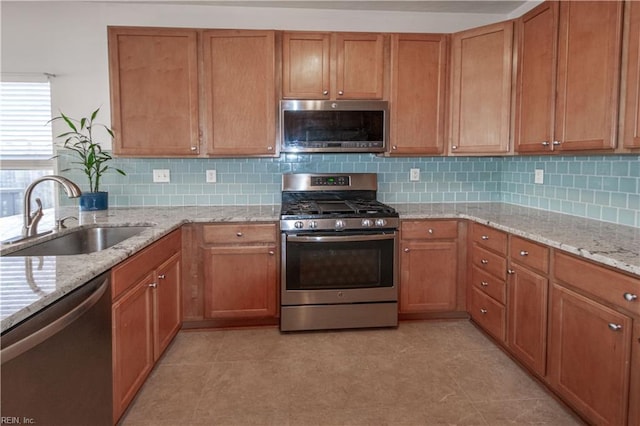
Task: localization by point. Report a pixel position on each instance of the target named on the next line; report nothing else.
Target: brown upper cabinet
(239, 92)
(631, 91)
(481, 90)
(333, 65)
(418, 93)
(154, 91)
(568, 77)
(188, 92)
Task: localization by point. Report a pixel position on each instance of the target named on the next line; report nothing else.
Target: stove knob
(299, 224)
(381, 222)
(366, 223)
(313, 224)
(340, 224)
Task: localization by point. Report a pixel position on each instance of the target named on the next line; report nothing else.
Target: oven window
(339, 265)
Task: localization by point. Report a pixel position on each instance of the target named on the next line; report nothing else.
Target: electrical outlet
(539, 176)
(161, 175)
(414, 175)
(212, 176)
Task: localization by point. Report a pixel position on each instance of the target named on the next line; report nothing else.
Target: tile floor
(422, 373)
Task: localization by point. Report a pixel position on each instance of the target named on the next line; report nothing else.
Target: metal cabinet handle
(153, 285)
(269, 148)
(556, 143)
(239, 234)
(485, 237)
(430, 230)
(271, 252)
(454, 146)
(394, 147)
(484, 261)
(615, 327)
(341, 93)
(194, 148)
(484, 284)
(524, 253)
(325, 92)
(545, 143)
(483, 311)
(510, 271)
(407, 250)
(161, 277)
(630, 297)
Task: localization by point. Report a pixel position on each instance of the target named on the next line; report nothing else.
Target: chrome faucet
(31, 220)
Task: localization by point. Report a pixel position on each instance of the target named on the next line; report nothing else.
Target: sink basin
(81, 241)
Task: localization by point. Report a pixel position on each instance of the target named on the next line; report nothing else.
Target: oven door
(324, 268)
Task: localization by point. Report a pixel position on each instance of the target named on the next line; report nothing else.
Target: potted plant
(89, 157)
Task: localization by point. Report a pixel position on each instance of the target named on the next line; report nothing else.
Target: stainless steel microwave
(334, 126)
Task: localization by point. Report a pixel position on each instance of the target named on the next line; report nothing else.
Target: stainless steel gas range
(339, 253)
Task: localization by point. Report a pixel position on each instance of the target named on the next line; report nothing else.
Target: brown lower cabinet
(146, 314)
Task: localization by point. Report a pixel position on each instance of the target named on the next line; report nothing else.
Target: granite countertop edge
(613, 245)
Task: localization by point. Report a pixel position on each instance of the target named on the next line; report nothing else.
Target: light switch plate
(212, 176)
(161, 175)
(414, 175)
(539, 176)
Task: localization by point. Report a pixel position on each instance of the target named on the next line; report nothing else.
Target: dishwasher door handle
(23, 345)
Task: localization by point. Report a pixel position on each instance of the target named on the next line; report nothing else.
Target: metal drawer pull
(545, 143)
(161, 277)
(271, 252)
(510, 271)
(238, 234)
(430, 231)
(524, 253)
(630, 297)
(483, 311)
(407, 250)
(615, 327)
(484, 284)
(485, 237)
(153, 285)
(484, 261)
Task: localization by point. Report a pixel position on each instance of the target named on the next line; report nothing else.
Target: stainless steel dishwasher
(56, 365)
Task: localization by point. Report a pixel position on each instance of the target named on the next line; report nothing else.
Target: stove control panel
(330, 181)
(338, 224)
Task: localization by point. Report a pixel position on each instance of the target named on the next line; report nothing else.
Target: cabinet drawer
(239, 233)
(429, 229)
(489, 284)
(529, 254)
(488, 313)
(613, 287)
(490, 262)
(135, 268)
(489, 238)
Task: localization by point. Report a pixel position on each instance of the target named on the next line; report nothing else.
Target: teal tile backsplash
(599, 187)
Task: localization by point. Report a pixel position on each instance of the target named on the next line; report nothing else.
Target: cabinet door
(359, 66)
(535, 94)
(154, 91)
(527, 317)
(428, 276)
(631, 136)
(240, 282)
(305, 65)
(168, 301)
(589, 49)
(239, 92)
(132, 317)
(418, 83)
(589, 355)
(481, 90)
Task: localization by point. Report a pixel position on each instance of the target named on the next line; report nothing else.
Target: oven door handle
(347, 238)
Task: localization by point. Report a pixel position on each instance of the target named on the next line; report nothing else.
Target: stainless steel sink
(81, 241)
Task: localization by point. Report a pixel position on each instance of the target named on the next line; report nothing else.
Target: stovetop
(336, 208)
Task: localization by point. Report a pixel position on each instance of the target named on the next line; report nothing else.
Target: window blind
(25, 109)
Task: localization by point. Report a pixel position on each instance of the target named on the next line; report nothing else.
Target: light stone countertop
(29, 284)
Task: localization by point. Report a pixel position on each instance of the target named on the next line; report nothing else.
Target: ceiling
(500, 7)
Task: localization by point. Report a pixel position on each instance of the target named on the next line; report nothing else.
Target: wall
(599, 187)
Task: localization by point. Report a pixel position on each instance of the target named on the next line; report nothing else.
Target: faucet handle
(60, 222)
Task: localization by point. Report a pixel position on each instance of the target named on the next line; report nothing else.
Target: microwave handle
(343, 238)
